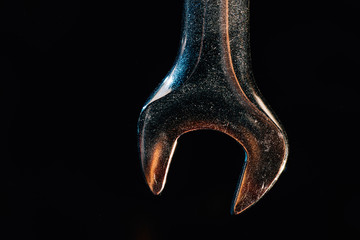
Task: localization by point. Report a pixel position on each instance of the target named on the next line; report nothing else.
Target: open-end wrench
(211, 86)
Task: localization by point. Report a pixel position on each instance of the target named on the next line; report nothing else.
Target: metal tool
(211, 87)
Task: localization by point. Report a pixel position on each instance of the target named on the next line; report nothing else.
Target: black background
(74, 76)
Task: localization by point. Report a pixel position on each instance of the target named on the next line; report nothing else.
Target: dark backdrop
(74, 76)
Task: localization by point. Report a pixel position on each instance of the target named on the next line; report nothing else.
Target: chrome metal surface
(211, 86)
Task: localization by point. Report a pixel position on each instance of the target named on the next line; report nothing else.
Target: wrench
(211, 86)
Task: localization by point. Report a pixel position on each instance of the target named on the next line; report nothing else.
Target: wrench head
(220, 108)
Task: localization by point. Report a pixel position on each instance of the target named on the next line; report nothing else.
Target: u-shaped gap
(207, 164)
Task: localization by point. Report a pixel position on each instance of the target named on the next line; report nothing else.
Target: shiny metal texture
(211, 86)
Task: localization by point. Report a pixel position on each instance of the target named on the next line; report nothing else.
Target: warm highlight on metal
(211, 86)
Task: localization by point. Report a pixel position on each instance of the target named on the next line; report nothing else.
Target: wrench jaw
(263, 165)
(266, 150)
(156, 154)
